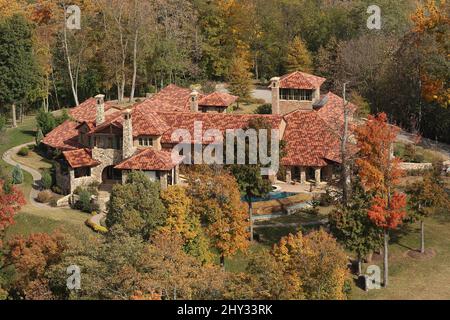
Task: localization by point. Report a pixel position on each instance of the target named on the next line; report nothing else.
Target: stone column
(302, 175)
(194, 101)
(288, 174)
(163, 180)
(127, 145)
(275, 95)
(317, 175)
(100, 116)
(71, 180)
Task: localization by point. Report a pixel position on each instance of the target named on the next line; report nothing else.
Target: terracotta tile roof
(301, 80)
(308, 141)
(80, 158)
(87, 111)
(63, 137)
(149, 123)
(218, 99)
(331, 109)
(150, 159)
(219, 121)
(170, 99)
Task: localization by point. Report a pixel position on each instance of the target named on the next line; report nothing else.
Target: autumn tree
(30, 258)
(317, 260)
(184, 222)
(298, 57)
(217, 201)
(425, 198)
(379, 172)
(239, 75)
(11, 200)
(136, 205)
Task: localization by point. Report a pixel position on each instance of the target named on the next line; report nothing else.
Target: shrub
(56, 189)
(45, 121)
(44, 196)
(326, 199)
(24, 151)
(47, 180)
(264, 109)
(85, 202)
(17, 175)
(39, 137)
(2, 122)
(96, 227)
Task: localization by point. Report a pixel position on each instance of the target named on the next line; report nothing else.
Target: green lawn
(32, 219)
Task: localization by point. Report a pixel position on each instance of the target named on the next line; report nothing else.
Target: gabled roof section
(80, 158)
(144, 124)
(309, 141)
(150, 160)
(170, 99)
(63, 137)
(331, 109)
(218, 99)
(301, 80)
(87, 111)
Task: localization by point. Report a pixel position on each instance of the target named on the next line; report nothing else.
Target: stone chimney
(127, 143)
(100, 118)
(194, 100)
(275, 85)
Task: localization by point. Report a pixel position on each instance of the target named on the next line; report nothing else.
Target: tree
(136, 205)
(379, 172)
(17, 175)
(19, 73)
(425, 197)
(351, 226)
(264, 109)
(298, 57)
(31, 257)
(239, 76)
(39, 137)
(217, 201)
(45, 121)
(11, 201)
(315, 265)
(47, 180)
(182, 220)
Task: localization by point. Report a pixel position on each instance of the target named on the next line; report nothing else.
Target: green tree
(136, 205)
(39, 137)
(426, 197)
(45, 121)
(47, 180)
(17, 175)
(298, 57)
(352, 227)
(19, 73)
(264, 109)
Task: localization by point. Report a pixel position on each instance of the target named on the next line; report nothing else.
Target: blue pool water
(272, 196)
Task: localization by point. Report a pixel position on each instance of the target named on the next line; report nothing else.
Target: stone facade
(128, 144)
(100, 116)
(107, 158)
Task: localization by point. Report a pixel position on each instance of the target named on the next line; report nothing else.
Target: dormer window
(146, 142)
(296, 94)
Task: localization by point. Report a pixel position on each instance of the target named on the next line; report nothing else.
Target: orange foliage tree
(379, 172)
(11, 200)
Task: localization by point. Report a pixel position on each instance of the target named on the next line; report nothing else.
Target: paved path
(292, 224)
(36, 187)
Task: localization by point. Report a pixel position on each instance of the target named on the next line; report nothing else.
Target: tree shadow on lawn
(398, 236)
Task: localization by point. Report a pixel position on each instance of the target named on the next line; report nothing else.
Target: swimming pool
(272, 196)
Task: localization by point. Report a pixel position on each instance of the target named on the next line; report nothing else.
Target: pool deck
(301, 188)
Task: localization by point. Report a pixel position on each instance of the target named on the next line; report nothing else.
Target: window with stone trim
(296, 94)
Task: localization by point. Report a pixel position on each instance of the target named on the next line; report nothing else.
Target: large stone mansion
(104, 141)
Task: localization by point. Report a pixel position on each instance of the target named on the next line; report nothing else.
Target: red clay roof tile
(80, 158)
(150, 159)
(301, 80)
(218, 99)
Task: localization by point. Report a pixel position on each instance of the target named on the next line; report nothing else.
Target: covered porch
(305, 175)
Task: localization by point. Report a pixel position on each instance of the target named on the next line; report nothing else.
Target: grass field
(31, 219)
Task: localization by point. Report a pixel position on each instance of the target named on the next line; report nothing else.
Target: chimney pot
(194, 100)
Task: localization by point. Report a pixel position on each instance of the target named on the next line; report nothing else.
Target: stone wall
(287, 106)
(106, 157)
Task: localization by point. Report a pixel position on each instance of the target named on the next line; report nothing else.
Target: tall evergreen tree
(19, 72)
(298, 57)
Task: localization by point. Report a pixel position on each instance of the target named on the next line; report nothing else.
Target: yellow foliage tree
(298, 57)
